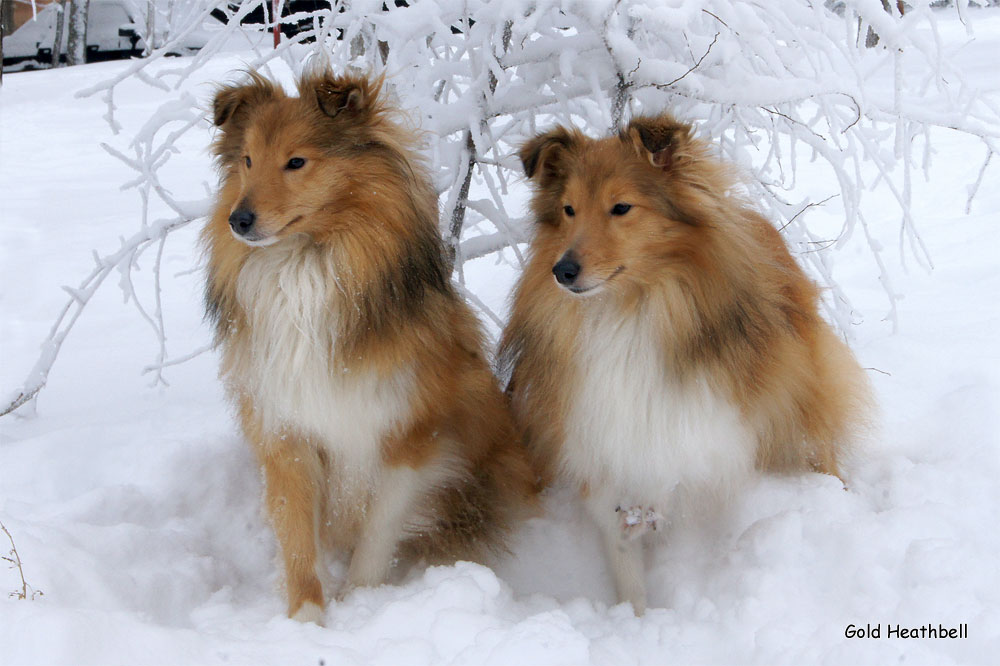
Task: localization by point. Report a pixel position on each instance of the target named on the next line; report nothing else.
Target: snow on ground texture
(136, 510)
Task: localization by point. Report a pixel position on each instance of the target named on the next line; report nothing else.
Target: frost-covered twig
(158, 367)
(15, 563)
(149, 159)
(974, 188)
(79, 298)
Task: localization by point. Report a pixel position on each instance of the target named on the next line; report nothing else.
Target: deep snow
(136, 510)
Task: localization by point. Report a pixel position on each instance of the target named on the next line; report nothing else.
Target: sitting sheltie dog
(357, 371)
(662, 339)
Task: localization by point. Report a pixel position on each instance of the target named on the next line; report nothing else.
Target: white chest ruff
(291, 370)
(640, 432)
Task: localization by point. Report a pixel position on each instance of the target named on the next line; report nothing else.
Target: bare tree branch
(15, 561)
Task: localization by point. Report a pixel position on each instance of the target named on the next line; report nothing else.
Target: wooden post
(277, 21)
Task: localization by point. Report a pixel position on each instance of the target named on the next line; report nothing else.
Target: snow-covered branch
(773, 83)
(123, 260)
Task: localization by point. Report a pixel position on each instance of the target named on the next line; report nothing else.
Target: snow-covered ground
(136, 510)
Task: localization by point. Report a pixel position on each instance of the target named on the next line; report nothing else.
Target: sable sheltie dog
(662, 338)
(357, 371)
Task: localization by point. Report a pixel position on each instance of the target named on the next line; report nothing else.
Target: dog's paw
(344, 590)
(309, 612)
(637, 520)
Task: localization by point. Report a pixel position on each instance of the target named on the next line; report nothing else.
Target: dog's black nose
(242, 220)
(566, 270)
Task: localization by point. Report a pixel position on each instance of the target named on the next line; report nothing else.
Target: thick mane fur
(722, 289)
(387, 276)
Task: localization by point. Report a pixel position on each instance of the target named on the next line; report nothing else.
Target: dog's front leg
(292, 493)
(624, 554)
(398, 492)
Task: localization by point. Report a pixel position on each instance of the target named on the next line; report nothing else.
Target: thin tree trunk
(57, 42)
(6, 17)
(150, 27)
(170, 21)
(6, 25)
(76, 47)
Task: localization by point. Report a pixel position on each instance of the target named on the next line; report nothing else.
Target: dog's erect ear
(344, 94)
(659, 139)
(233, 101)
(334, 99)
(542, 156)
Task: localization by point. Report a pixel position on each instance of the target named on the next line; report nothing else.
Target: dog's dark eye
(621, 209)
(569, 211)
(296, 163)
(247, 160)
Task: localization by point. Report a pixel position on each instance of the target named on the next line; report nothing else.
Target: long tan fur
(689, 339)
(357, 371)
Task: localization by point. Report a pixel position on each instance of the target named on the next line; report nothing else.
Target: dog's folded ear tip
(355, 99)
(336, 94)
(540, 154)
(223, 104)
(229, 98)
(333, 99)
(659, 137)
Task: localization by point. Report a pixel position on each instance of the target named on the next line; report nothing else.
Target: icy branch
(771, 83)
(79, 298)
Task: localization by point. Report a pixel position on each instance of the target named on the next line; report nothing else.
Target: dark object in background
(296, 15)
(116, 31)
